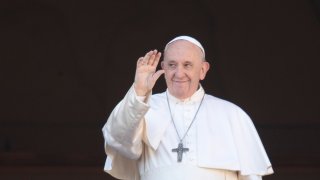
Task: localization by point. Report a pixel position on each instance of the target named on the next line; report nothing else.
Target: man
(183, 133)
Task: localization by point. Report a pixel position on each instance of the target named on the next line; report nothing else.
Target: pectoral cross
(180, 150)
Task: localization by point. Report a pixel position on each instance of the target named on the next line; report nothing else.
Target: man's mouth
(179, 81)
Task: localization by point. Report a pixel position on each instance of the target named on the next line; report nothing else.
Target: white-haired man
(182, 133)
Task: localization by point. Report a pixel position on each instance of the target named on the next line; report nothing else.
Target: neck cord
(191, 121)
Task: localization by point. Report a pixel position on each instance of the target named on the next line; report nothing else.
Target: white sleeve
(250, 177)
(124, 129)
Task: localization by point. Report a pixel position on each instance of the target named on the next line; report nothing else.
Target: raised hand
(146, 75)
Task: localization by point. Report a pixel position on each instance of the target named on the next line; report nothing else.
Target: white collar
(196, 97)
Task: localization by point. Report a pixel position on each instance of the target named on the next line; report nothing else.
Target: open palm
(146, 74)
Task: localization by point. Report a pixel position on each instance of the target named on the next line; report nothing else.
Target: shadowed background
(66, 64)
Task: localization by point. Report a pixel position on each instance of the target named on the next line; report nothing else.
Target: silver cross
(180, 150)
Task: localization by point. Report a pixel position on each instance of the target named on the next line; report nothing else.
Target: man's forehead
(179, 54)
(183, 61)
(182, 50)
(182, 45)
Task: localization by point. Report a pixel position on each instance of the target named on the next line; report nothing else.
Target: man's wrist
(139, 91)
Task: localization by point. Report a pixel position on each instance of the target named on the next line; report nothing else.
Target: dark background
(66, 64)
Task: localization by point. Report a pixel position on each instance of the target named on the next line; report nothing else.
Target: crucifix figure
(180, 150)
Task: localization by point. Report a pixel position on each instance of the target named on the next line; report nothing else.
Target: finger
(151, 60)
(157, 59)
(157, 75)
(152, 57)
(147, 57)
(140, 62)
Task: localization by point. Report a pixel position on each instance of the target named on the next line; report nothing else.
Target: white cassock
(223, 142)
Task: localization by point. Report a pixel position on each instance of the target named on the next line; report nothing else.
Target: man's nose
(179, 71)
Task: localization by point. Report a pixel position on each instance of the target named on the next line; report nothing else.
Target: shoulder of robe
(221, 103)
(231, 111)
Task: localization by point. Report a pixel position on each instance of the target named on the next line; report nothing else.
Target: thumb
(157, 74)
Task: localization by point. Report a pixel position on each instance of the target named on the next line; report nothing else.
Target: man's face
(184, 68)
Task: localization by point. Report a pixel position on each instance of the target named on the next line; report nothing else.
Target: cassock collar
(196, 97)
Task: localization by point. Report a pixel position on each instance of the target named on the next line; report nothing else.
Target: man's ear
(162, 64)
(204, 69)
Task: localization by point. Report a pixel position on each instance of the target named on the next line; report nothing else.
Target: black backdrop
(65, 65)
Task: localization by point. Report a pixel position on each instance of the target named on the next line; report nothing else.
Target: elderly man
(182, 133)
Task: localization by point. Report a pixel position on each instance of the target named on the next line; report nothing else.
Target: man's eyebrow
(188, 62)
(171, 61)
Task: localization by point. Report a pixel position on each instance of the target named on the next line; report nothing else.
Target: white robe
(139, 137)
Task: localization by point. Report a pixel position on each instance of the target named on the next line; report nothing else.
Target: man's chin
(180, 93)
(181, 85)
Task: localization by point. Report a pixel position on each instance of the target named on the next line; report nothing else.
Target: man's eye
(172, 65)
